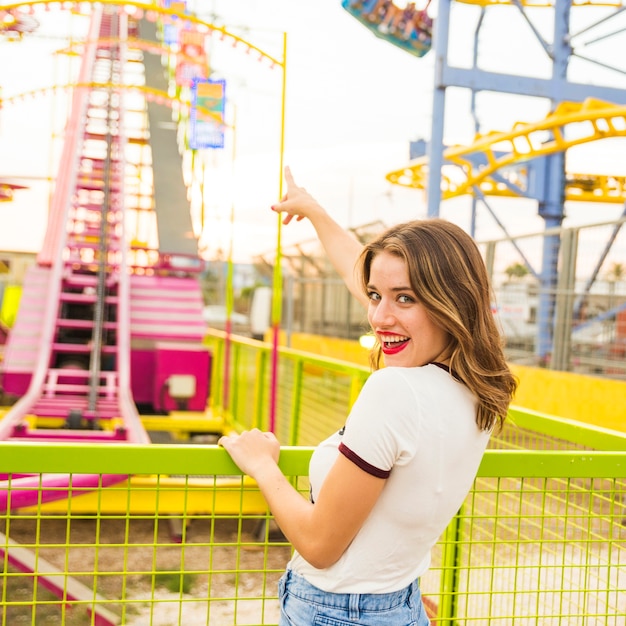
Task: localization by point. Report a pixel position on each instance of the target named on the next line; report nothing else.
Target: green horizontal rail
(580, 433)
(294, 461)
(553, 464)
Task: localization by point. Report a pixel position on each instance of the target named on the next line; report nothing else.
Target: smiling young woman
(386, 485)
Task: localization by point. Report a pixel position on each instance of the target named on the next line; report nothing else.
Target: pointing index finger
(289, 177)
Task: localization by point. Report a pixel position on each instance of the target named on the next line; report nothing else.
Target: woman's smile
(391, 343)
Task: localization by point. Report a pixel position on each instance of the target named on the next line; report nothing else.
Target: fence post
(564, 305)
(260, 383)
(296, 402)
(451, 560)
(216, 391)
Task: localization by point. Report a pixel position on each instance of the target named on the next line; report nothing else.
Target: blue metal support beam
(435, 146)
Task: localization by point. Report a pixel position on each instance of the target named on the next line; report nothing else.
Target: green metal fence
(180, 537)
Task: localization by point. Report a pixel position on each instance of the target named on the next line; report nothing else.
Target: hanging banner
(192, 44)
(170, 34)
(175, 5)
(207, 95)
(170, 26)
(191, 62)
(186, 73)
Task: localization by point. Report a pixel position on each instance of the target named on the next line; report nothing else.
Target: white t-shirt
(416, 427)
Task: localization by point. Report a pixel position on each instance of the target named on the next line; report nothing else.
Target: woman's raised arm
(341, 246)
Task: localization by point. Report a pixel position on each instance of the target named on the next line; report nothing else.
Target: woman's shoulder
(398, 379)
(425, 372)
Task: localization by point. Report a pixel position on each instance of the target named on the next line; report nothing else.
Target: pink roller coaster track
(69, 357)
(28, 491)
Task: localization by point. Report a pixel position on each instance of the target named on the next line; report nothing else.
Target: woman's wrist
(265, 471)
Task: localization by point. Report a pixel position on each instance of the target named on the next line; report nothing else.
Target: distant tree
(244, 300)
(516, 270)
(213, 283)
(616, 272)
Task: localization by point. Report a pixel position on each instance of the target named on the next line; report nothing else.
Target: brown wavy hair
(449, 277)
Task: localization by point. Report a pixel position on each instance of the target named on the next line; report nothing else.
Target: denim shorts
(302, 604)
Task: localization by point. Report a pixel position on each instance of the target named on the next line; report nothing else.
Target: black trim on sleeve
(364, 465)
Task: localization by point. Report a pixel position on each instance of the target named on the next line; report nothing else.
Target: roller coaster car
(418, 43)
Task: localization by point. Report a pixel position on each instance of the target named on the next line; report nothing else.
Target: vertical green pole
(451, 561)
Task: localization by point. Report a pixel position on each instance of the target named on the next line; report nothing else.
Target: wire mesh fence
(531, 545)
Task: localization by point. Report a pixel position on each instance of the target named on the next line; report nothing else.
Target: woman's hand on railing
(252, 450)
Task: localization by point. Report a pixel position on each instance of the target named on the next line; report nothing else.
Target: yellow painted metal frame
(523, 142)
(166, 496)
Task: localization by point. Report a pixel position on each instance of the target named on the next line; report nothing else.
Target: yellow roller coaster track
(570, 124)
(154, 8)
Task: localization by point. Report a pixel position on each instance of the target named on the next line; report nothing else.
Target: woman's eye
(372, 295)
(404, 299)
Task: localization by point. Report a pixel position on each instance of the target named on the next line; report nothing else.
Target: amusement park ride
(103, 328)
(528, 161)
(94, 339)
(108, 328)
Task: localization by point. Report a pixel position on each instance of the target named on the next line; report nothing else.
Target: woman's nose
(382, 313)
